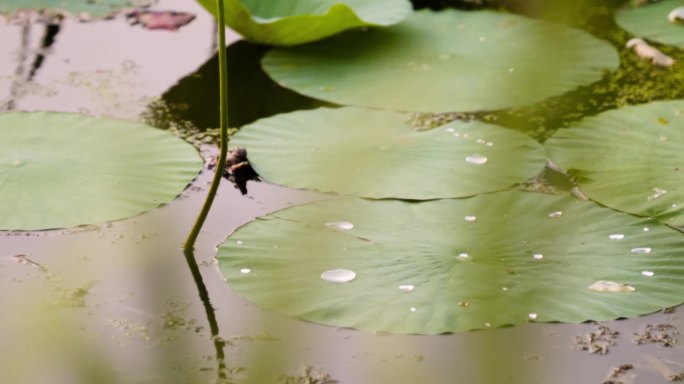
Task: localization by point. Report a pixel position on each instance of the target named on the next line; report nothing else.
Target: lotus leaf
(629, 159)
(99, 8)
(446, 61)
(454, 265)
(62, 170)
(289, 22)
(376, 154)
(651, 22)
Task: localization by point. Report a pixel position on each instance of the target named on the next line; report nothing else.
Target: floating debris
(164, 20)
(663, 334)
(657, 193)
(645, 51)
(309, 375)
(617, 372)
(597, 342)
(676, 16)
(611, 286)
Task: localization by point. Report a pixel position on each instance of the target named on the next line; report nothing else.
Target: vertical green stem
(223, 99)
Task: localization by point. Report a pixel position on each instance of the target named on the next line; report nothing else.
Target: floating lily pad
(629, 159)
(447, 61)
(99, 8)
(289, 22)
(651, 22)
(455, 265)
(62, 170)
(376, 154)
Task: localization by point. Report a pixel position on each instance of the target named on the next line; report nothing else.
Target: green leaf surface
(62, 170)
(487, 261)
(98, 8)
(630, 159)
(446, 61)
(289, 22)
(376, 154)
(651, 22)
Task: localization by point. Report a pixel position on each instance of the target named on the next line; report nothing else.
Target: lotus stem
(223, 124)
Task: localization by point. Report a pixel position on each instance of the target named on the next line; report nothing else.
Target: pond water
(121, 302)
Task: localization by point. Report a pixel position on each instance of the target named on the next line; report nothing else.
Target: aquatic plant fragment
(656, 21)
(444, 62)
(629, 159)
(289, 22)
(409, 276)
(376, 154)
(61, 170)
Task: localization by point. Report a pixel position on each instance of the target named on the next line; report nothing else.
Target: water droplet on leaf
(338, 275)
(556, 214)
(611, 286)
(532, 316)
(470, 219)
(406, 287)
(616, 236)
(340, 225)
(538, 256)
(476, 159)
(647, 273)
(245, 271)
(463, 255)
(641, 250)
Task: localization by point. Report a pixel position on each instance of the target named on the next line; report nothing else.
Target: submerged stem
(223, 108)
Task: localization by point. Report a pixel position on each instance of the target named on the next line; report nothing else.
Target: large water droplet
(616, 236)
(470, 219)
(406, 287)
(556, 214)
(611, 286)
(245, 271)
(463, 255)
(647, 273)
(641, 250)
(340, 225)
(338, 275)
(538, 256)
(657, 193)
(532, 316)
(476, 159)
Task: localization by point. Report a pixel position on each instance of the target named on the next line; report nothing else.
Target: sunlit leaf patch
(377, 154)
(630, 159)
(63, 170)
(288, 22)
(445, 61)
(455, 265)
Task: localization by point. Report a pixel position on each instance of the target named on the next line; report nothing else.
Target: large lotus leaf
(376, 154)
(99, 8)
(629, 159)
(455, 264)
(447, 61)
(289, 22)
(651, 22)
(62, 170)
